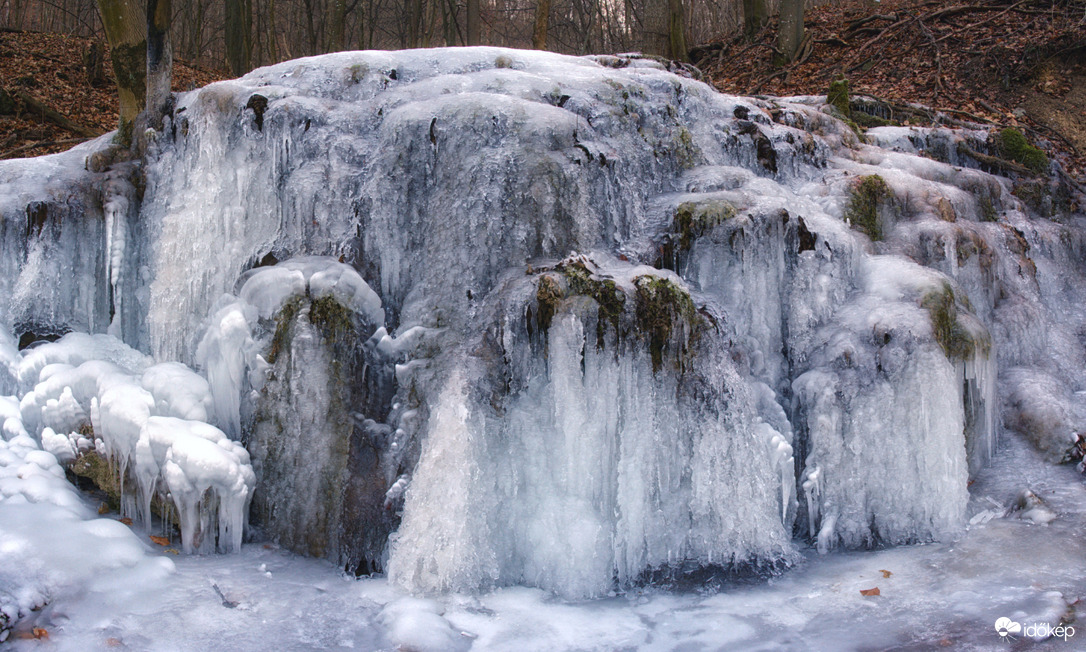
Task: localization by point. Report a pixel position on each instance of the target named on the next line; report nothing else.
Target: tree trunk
(676, 43)
(159, 60)
(791, 31)
(655, 27)
(473, 22)
(755, 17)
(338, 40)
(125, 24)
(238, 15)
(542, 14)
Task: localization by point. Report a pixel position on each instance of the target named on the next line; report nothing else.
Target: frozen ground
(938, 595)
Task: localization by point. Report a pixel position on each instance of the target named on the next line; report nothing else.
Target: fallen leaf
(103, 509)
(114, 642)
(171, 551)
(886, 573)
(40, 633)
(126, 521)
(870, 592)
(162, 541)
(945, 642)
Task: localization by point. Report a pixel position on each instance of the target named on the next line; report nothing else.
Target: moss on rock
(611, 300)
(97, 469)
(868, 194)
(837, 95)
(957, 342)
(1014, 146)
(663, 306)
(694, 219)
(548, 294)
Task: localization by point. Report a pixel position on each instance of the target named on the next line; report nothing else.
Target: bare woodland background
(260, 32)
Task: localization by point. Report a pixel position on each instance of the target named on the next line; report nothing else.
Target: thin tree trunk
(676, 41)
(339, 27)
(474, 23)
(125, 24)
(755, 16)
(791, 31)
(238, 15)
(542, 15)
(159, 60)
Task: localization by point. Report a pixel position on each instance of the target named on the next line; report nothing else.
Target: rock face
(574, 322)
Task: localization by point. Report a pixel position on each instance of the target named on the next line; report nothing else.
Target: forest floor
(51, 69)
(1008, 63)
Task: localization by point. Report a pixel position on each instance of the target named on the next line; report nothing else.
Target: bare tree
(239, 16)
(125, 23)
(790, 37)
(755, 16)
(473, 23)
(159, 60)
(542, 14)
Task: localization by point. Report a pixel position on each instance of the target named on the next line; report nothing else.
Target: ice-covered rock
(94, 394)
(563, 322)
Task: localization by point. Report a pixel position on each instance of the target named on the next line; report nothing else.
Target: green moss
(97, 469)
(686, 151)
(863, 208)
(611, 300)
(335, 321)
(867, 121)
(838, 96)
(283, 326)
(955, 340)
(1014, 146)
(987, 209)
(694, 219)
(662, 307)
(548, 294)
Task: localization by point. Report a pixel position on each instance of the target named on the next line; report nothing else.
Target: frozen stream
(938, 595)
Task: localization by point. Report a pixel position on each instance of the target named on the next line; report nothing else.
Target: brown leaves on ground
(886, 573)
(49, 68)
(162, 541)
(1014, 63)
(126, 520)
(870, 592)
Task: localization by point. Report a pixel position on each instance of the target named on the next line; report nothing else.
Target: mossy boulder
(1012, 145)
(98, 471)
(694, 219)
(958, 342)
(870, 196)
(838, 96)
(605, 292)
(667, 317)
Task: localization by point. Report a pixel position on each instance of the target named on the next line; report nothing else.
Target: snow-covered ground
(938, 595)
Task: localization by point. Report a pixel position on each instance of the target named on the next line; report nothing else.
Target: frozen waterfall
(480, 317)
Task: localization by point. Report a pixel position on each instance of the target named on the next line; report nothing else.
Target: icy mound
(285, 366)
(602, 449)
(592, 323)
(93, 395)
(51, 543)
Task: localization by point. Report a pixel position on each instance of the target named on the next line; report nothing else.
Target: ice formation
(94, 395)
(486, 317)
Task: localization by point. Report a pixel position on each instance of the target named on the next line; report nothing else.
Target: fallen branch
(41, 143)
(994, 161)
(40, 110)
